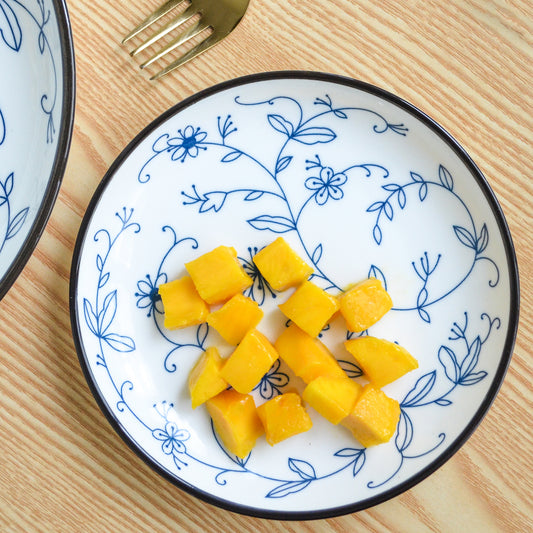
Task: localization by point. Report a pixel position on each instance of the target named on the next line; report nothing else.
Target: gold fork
(219, 16)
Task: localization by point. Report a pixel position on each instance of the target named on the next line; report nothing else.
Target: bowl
(361, 184)
(36, 117)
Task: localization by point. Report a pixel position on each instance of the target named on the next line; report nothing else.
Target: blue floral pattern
(461, 342)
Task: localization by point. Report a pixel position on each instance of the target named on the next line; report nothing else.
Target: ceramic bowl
(360, 183)
(36, 116)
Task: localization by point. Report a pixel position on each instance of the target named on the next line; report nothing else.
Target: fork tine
(156, 15)
(195, 29)
(207, 43)
(172, 25)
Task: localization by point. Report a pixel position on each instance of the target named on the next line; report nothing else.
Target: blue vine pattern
(460, 358)
(12, 36)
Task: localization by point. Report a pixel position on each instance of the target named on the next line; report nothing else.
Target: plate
(359, 183)
(36, 117)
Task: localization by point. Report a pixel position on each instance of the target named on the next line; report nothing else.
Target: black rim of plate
(63, 146)
(500, 372)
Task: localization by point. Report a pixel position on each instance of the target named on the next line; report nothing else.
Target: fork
(219, 16)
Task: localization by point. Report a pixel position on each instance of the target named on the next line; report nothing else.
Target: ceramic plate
(360, 184)
(36, 115)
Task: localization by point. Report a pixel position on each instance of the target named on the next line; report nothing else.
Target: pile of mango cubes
(212, 292)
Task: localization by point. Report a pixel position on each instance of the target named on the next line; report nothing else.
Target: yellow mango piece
(310, 308)
(380, 360)
(218, 275)
(281, 266)
(364, 304)
(306, 356)
(235, 318)
(374, 417)
(236, 421)
(182, 304)
(283, 416)
(249, 362)
(333, 397)
(204, 379)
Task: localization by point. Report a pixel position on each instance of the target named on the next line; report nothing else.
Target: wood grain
(467, 63)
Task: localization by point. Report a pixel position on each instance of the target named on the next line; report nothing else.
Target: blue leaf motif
(404, 434)
(288, 488)
(107, 313)
(449, 361)
(471, 359)
(120, 343)
(283, 163)
(231, 156)
(376, 232)
(103, 280)
(443, 402)
(99, 262)
(402, 199)
(375, 272)
(417, 177)
(314, 135)
(254, 195)
(424, 315)
(358, 455)
(473, 378)
(421, 389)
(376, 206)
(276, 224)
(16, 224)
(304, 469)
(8, 185)
(445, 177)
(201, 333)
(465, 237)
(90, 316)
(483, 239)
(317, 254)
(280, 124)
(10, 27)
(423, 191)
(213, 200)
(387, 207)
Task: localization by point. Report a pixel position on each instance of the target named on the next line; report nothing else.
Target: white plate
(360, 183)
(36, 116)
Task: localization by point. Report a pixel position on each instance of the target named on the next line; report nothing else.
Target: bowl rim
(62, 150)
(511, 265)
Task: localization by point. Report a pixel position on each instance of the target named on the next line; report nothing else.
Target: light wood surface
(466, 63)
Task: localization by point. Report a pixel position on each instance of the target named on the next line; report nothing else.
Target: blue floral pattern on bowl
(36, 111)
(360, 184)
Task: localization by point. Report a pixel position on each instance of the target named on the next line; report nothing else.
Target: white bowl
(36, 117)
(360, 183)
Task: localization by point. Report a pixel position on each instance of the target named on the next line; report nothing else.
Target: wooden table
(467, 63)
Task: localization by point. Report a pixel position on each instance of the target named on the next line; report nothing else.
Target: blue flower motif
(148, 296)
(260, 287)
(272, 382)
(172, 438)
(187, 143)
(327, 185)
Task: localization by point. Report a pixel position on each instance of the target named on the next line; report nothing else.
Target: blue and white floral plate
(36, 117)
(361, 184)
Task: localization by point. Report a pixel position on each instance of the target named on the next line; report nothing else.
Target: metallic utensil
(219, 16)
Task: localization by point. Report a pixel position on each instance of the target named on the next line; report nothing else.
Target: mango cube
(281, 266)
(374, 417)
(283, 416)
(310, 308)
(218, 275)
(380, 360)
(182, 304)
(235, 318)
(249, 362)
(333, 397)
(364, 304)
(204, 379)
(236, 421)
(306, 356)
